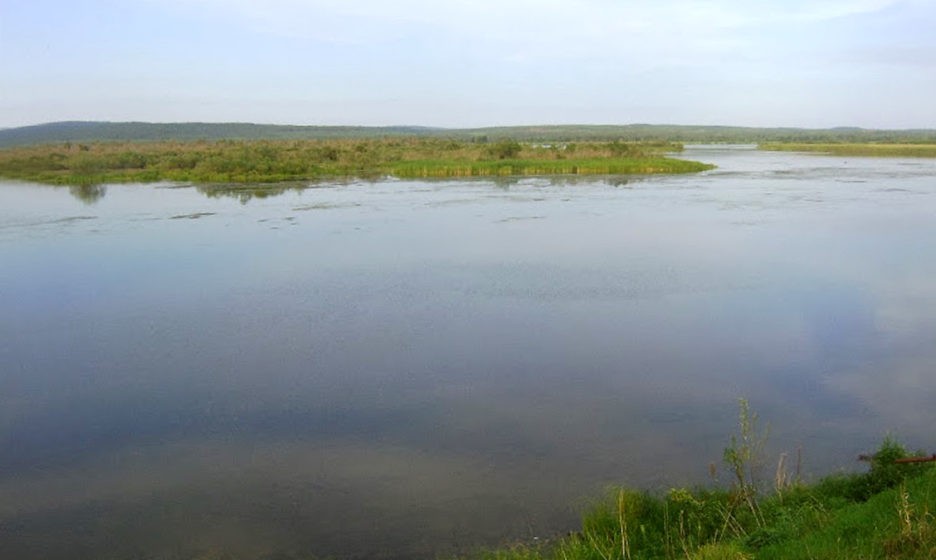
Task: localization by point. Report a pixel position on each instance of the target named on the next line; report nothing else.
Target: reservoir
(405, 369)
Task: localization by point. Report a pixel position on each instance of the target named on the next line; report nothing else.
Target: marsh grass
(270, 161)
(854, 149)
(885, 513)
(514, 167)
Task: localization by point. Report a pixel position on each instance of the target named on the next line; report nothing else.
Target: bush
(505, 149)
(885, 473)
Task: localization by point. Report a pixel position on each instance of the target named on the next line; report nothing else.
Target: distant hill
(80, 131)
(85, 131)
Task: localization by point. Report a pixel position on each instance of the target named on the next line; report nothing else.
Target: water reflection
(430, 366)
(247, 192)
(89, 194)
(506, 183)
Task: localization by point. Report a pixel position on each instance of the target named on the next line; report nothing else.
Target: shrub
(505, 149)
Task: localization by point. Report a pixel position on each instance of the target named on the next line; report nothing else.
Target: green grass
(854, 149)
(513, 167)
(275, 161)
(886, 514)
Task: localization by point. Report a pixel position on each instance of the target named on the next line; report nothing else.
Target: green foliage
(505, 149)
(894, 524)
(234, 161)
(719, 551)
(625, 523)
(504, 168)
(744, 456)
(628, 149)
(885, 472)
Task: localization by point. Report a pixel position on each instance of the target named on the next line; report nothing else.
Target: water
(405, 369)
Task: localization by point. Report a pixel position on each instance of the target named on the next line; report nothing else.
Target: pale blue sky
(812, 63)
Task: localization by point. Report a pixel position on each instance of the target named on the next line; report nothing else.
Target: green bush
(505, 149)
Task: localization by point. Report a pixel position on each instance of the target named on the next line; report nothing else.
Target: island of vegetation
(271, 161)
(886, 513)
(94, 153)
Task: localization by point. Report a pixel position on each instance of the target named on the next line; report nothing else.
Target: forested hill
(90, 131)
(79, 131)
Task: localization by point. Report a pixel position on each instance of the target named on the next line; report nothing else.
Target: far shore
(857, 149)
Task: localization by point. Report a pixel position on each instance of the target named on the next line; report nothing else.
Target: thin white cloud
(559, 16)
(519, 31)
(816, 11)
(730, 61)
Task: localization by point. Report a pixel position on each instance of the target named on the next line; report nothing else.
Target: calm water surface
(406, 369)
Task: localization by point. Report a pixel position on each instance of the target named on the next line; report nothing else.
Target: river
(400, 369)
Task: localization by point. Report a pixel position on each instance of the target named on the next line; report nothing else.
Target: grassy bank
(886, 513)
(271, 161)
(855, 149)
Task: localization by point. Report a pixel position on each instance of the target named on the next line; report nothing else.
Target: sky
(471, 63)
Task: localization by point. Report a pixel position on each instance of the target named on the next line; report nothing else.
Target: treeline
(140, 131)
(268, 161)
(85, 131)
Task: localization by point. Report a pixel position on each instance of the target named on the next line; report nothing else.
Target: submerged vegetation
(270, 161)
(886, 513)
(854, 149)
